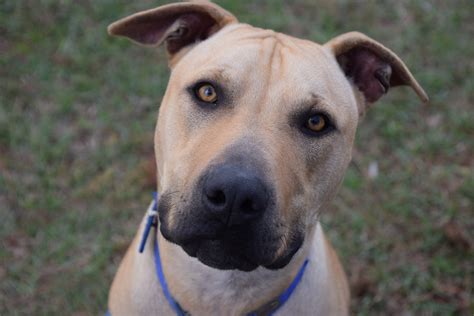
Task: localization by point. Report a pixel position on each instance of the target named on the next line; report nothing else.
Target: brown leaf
(456, 235)
(361, 285)
(18, 245)
(3, 164)
(454, 294)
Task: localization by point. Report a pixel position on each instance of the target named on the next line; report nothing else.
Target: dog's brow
(317, 102)
(216, 74)
(317, 99)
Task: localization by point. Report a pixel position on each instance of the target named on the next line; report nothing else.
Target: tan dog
(254, 135)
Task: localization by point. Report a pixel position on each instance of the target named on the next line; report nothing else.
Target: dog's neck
(202, 290)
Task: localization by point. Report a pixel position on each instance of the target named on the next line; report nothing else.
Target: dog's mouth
(218, 254)
(243, 246)
(224, 249)
(230, 250)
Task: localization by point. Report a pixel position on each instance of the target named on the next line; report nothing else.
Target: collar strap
(271, 307)
(151, 221)
(265, 310)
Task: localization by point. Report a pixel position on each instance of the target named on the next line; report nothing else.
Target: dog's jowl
(254, 134)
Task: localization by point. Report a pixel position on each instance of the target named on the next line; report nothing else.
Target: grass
(77, 114)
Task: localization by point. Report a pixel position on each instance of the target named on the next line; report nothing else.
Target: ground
(77, 114)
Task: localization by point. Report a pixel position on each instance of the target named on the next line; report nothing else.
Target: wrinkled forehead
(264, 60)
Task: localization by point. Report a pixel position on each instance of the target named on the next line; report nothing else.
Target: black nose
(234, 195)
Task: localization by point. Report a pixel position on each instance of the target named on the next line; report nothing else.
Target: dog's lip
(200, 250)
(193, 247)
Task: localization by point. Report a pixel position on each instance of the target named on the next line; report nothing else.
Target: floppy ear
(371, 67)
(177, 24)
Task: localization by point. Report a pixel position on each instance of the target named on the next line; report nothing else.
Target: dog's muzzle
(230, 222)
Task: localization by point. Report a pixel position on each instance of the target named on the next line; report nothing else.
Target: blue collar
(265, 310)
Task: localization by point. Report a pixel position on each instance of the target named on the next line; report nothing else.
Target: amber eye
(206, 93)
(317, 123)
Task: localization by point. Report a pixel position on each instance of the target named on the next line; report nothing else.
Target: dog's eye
(206, 93)
(317, 123)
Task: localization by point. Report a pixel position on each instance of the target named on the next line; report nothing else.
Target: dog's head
(255, 130)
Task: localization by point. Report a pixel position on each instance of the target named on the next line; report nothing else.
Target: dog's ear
(371, 67)
(177, 24)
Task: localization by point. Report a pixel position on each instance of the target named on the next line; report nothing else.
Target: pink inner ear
(153, 29)
(147, 30)
(369, 73)
(194, 27)
(151, 35)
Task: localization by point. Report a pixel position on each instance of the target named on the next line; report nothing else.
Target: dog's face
(273, 114)
(254, 135)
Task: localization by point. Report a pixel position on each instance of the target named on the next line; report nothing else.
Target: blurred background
(77, 114)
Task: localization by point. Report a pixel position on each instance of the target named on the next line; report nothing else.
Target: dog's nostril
(249, 206)
(217, 197)
(234, 195)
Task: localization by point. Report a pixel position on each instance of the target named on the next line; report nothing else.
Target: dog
(254, 134)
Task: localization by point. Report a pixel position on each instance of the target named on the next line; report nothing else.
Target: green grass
(77, 114)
